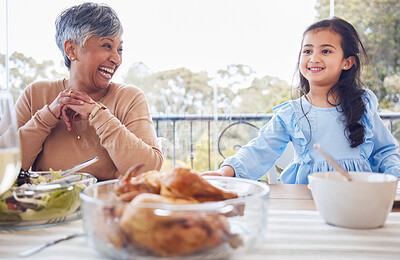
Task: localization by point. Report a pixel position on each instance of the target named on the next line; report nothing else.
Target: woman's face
(97, 61)
(321, 59)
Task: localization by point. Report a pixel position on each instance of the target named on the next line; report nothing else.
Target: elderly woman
(68, 121)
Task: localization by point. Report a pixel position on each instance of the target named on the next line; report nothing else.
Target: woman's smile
(106, 72)
(98, 60)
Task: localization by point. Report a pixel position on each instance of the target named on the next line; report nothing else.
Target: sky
(201, 35)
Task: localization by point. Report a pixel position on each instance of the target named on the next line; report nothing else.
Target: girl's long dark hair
(349, 87)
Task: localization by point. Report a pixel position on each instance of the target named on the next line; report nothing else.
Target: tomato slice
(12, 206)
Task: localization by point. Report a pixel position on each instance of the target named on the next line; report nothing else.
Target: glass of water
(10, 153)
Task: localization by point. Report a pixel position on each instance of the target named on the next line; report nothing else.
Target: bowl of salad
(38, 198)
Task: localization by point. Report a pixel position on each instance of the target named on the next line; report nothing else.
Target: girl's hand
(226, 171)
(211, 173)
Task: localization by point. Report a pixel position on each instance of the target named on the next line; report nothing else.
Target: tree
(378, 23)
(2, 70)
(230, 81)
(25, 70)
(182, 91)
(177, 91)
(263, 95)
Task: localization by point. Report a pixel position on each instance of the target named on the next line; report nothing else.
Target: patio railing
(188, 133)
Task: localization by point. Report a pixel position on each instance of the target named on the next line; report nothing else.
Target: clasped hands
(72, 105)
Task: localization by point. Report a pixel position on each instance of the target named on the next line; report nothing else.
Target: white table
(294, 234)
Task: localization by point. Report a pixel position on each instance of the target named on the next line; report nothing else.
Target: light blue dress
(378, 153)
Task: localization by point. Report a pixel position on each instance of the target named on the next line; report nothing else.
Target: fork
(39, 248)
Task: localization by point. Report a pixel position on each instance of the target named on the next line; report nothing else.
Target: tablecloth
(290, 235)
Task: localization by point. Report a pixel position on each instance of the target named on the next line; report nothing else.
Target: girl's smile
(315, 69)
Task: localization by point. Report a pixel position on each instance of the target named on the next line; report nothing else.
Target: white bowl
(362, 203)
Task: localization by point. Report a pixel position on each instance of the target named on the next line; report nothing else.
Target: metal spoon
(38, 248)
(333, 162)
(71, 170)
(79, 166)
(65, 175)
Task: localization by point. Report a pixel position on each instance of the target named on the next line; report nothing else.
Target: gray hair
(79, 22)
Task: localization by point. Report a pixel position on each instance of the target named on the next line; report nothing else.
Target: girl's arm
(385, 157)
(253, 160)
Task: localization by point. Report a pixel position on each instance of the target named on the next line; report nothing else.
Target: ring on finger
(69, 93)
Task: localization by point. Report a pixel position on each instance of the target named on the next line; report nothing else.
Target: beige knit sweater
(121, 136)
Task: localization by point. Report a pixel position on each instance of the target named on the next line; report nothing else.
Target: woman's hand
(66, 97)
(78, 107)
(77, 112)
(226, 171)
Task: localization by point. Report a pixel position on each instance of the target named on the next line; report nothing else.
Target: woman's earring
(72, 58)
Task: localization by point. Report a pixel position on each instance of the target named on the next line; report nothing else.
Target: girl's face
(97, 61)
(321, 59)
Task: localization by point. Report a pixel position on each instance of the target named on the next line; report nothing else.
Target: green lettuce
(52, 204)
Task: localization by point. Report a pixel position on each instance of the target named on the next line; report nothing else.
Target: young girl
(333, 110)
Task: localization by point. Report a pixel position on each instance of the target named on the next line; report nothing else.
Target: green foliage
(263, 95)
(25, 70)
(378, 23)
(230, 81)
(177, 91)
(182, 91)
(2, 58)
(201, 160)
(232, 137)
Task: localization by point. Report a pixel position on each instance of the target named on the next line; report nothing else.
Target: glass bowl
(207, 230)
(44, 203)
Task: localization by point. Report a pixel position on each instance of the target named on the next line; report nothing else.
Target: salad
(45, 196)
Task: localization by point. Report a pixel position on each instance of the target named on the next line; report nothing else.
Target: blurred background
(212, 70)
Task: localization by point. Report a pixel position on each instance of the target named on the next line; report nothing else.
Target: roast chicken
(132, 183)
(174, 233)
(171, 232)
(182, 182)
